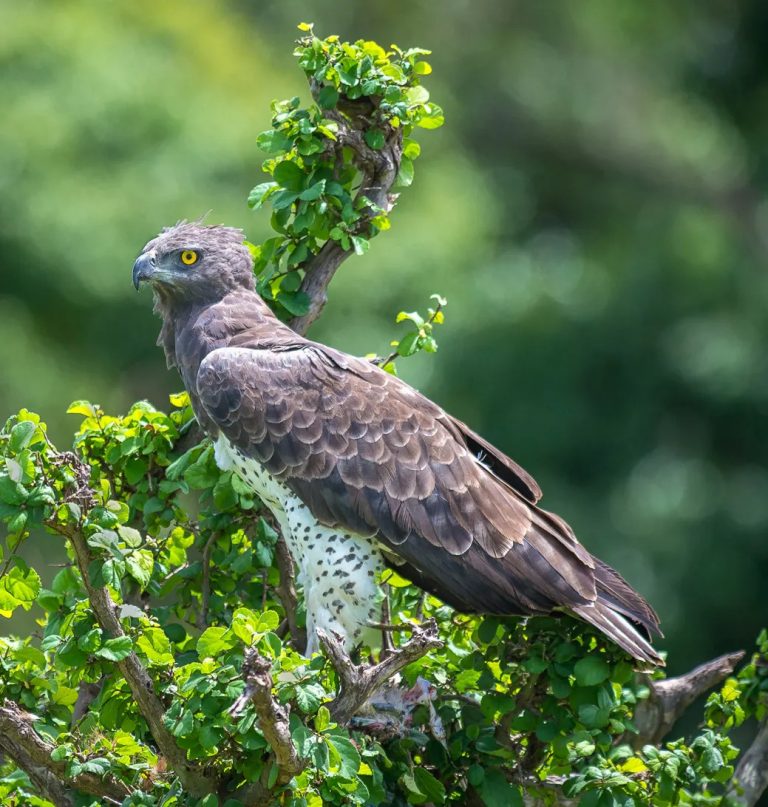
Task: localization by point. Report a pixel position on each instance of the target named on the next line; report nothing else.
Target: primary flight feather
(362, 471)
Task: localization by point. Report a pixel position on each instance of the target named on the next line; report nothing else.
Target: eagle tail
(622, 615)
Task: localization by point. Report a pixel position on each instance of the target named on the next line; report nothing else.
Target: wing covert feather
(368, 453)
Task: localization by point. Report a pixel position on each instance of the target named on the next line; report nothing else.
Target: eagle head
(192, 262)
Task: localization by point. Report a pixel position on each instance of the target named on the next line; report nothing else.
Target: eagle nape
(362, 471)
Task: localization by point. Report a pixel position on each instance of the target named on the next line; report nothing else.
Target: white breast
(337, 569)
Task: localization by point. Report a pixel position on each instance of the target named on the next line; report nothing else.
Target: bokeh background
(594, 209)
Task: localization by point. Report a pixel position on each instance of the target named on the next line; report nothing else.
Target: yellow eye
(189, 257)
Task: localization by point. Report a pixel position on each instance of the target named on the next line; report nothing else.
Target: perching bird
(360, 470)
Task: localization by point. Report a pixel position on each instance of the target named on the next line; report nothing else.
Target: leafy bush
(138, 689)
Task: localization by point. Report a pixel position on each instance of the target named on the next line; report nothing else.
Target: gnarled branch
(670, 697)
(273, 717)
(286, 592)
(379, 169)
(358, 682)
(750, 780)
(32, 754)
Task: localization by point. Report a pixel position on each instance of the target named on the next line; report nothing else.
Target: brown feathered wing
(368, 453)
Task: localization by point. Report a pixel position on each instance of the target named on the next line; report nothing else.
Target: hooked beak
(143, 269)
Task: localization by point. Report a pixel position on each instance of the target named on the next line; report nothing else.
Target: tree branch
(32, 753)
(286, 591)
(751, 777)
(379, 169)
(273, 718)
(358, 682)
(670, 697)
(87, 693)
(196, 781)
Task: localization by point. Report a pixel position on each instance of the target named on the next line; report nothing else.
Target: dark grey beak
(142, 269)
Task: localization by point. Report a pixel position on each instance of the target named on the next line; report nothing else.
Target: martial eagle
(360, 470)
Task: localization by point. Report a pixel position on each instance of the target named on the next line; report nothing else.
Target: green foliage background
(594, 214)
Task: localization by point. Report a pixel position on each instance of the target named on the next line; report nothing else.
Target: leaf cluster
(322, 158)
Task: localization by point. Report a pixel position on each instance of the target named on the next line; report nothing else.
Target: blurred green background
(593, 210)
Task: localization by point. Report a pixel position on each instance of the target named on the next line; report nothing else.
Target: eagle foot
(358, 684)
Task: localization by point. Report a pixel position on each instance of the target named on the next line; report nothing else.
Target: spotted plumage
(379, 473)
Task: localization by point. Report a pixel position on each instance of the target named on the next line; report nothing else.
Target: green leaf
(405, 175)
(112, 572)
(433, 120)
(322, 719)
(12, 492)
(18, 587)
(345, 753)
(90, 641)
(496, 791)
(175, 470)
(155, 645)
(85, 408)
(313, 192)
(374, 138)
(260, 194)
(249, 626)
(309, 696)
(417, 95)
(289, 175)
(591, 670)
(429, 786)
(116, 649)
(409, 344)
(296, 303)
(21, 435)
(273, 142)
(328, 97)
(140, 564)
(214, 641)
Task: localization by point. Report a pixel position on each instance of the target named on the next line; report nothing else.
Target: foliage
(187, 555)
(520, 700)
(367, 99)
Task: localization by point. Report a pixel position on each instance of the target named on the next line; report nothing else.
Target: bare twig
(32, 753)
(670, 697)
(273, 718)
(286, 591)
(750, 780)
(387, 645)
(358, 682)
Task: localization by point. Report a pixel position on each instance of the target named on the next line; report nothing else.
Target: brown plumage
(368, 454)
